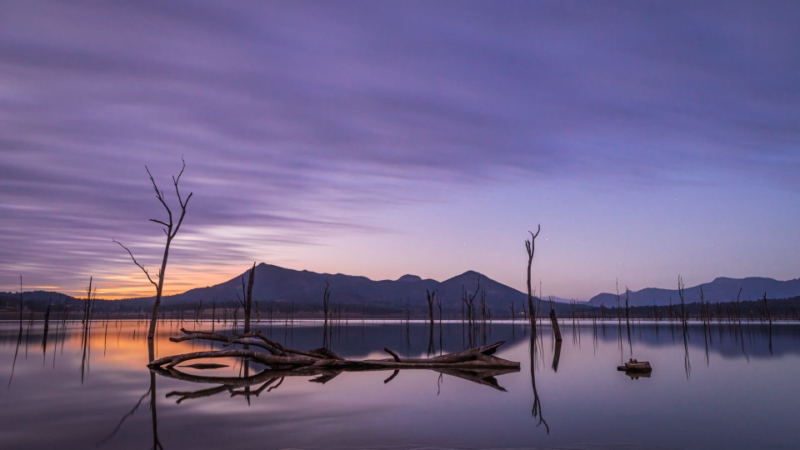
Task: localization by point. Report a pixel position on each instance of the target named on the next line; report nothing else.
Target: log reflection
(687, 364)
(154, 417)
(124, 418)
(635, 375)
(536, 410)
(151, 357)
(156, 442)
(16, 352)
(556, 356)
(240, 386)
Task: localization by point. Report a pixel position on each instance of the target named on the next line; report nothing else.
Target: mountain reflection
(569, 386)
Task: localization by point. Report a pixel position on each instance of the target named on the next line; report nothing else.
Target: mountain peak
(470, 273)
(408, 278)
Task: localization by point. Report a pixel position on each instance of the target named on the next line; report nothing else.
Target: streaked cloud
(301, 120)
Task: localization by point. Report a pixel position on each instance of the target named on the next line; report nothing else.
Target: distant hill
(281, 285)
(38, 301)
(720, 290)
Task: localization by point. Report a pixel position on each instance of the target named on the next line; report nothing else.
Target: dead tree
(46, 327)
(439, 304)
(248, 305)
(683, 302)
(530, 246)
(627, 306)
(766, 306)
(469, 303)
(21, 304)
(483, 316)
(288, 361)
(431, 299)
(554, 321)
(326, 298)
(170, 230)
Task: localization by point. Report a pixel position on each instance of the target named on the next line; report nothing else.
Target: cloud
(301, 117)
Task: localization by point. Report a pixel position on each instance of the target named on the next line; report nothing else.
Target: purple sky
(649, 139)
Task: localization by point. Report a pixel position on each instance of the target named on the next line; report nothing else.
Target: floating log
(636, 366)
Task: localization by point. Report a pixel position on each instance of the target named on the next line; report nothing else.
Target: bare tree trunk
(431, 299)
(556, 355)
(554, 322)
(248, 305)
(766, 306)
(171, 230)
(21, 304)
(530, 246)
(326, 298)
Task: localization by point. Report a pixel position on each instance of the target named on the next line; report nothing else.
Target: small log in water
(554, 322)
(46, 328)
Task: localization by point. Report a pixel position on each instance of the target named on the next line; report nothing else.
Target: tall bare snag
(170, 230)
(530, 245)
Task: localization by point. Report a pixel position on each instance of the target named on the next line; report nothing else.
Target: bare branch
(534, 236)
(158, 221)
(183, 213)
(160, 195)
(137, 263)
(177, 180)
(394, 355)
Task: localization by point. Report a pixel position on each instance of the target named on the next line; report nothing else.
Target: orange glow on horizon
(134, 284)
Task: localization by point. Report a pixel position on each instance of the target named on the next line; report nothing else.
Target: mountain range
(720, 290)
(279, 287)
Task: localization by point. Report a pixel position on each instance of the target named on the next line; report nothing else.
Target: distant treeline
(777, 309)
(37, 303)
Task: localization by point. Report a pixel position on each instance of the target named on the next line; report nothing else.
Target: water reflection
(556, 355)
(572, 387)
(125, 417)
(240, 385)
(16, 352)
(536, 410)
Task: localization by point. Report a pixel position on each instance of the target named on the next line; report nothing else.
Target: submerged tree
(530, 246)
(170, 230)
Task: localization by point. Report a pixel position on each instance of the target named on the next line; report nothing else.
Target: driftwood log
(283, 357)
(476, 364)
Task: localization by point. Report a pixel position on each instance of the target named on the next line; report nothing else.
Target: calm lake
(731, 388)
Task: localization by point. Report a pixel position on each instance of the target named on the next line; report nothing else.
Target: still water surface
(731, 388)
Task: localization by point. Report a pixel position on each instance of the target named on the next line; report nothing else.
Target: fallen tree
(478, 364)
(283, 357)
